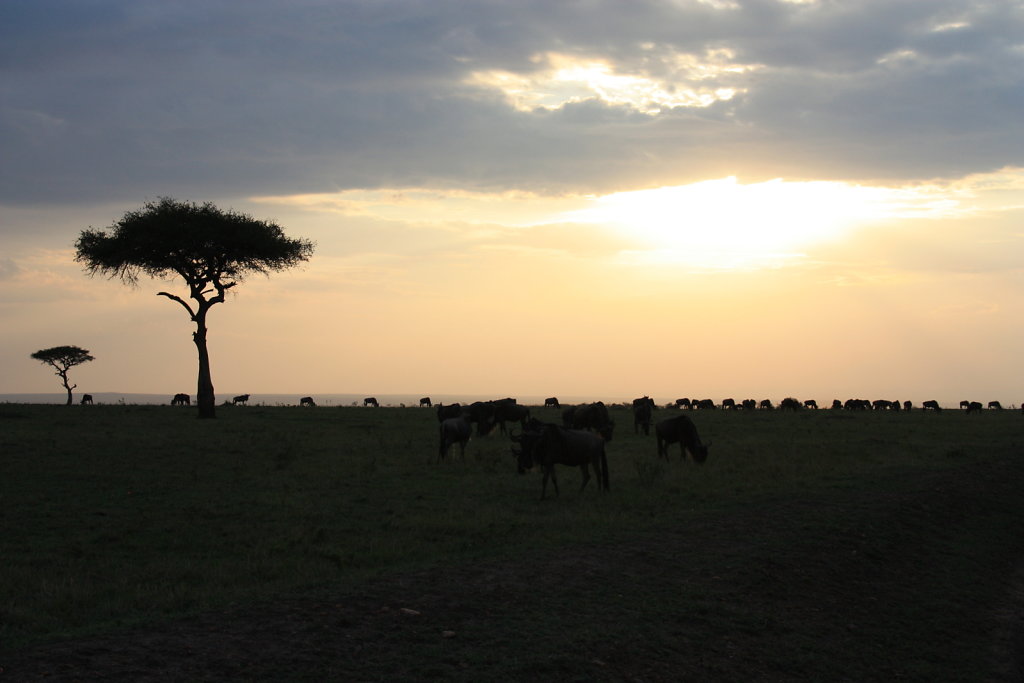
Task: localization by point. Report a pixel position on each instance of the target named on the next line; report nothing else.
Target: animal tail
(604, 469)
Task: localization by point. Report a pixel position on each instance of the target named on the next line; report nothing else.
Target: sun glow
(724, 224)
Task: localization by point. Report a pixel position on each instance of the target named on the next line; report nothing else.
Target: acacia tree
(62, 359)
(210, 249)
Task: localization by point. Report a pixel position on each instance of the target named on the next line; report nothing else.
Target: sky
(601, 199)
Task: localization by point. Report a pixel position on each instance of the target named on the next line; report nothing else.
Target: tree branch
(180, 301)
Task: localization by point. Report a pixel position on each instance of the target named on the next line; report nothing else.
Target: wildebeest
(729, 404)
(837, 404)
(447, 411)
(766, 404)
(881, 404)
(932, 405)
(643, 409)
(857, 404)
(508, 410)
(973, 407)
(703, 404)
(749, 404)
(454, 430)
(681, 430)
(993, 405)
(593, 416)
(908, 405)
(548, 445)
(370, 401)
(551, 402)
(964, 405)
(86, 399)
(425, 402)
(180, 400)
(482, 413)
(307, 401)
(243, 399)
(811, 404)
(684, 403)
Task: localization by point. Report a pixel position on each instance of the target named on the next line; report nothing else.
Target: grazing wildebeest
(857, 404)
(881, 404)
(548, 445)
(681, 430)
(593, 416)
(180, 400)
(973, 407)
(684, 403)
(482, 413)
(811, 404)
(766, 404)
(86, 399)
(307, 401)
(643, 409)
(703, 404)
(993, 405)
(454, 430)
(370, 401)
(964, 405)
(445, 412)
(932, 405)
(425, 402)
(551, 402)
(729, 404)
(749, 404)
(837, 404)
(908, 405)
(243, 399)
(507, 410)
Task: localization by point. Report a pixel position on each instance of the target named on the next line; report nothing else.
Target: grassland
(309, 544)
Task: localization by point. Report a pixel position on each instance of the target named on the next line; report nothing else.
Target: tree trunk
(205, 397)
(64, 378)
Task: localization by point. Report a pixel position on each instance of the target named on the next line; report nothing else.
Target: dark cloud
(118, 99)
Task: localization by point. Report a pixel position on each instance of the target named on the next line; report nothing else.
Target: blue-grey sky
(712, 180)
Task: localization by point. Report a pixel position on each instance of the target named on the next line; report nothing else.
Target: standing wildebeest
(908, 405)
(425, 402)
(180, 400)
(447, 411)
(507, 410)
(964, 405)
(684, 403)
(643, 408)
(593, 416)
(86, 399)
(993, 405)
(681, 430)
(973, 407)
(703, 404)
(551, 402)
(548, 445)
(729, 404)
(790, 403)
(454, 430)
(243, 399)
(766, 404)
(811, 404)
(932, 405)
(307, 401)
(370, 401)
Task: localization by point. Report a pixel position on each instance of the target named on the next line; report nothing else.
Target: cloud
(120, 100)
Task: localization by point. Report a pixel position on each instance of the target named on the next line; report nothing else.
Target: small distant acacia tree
(210, 249)
(62, 359)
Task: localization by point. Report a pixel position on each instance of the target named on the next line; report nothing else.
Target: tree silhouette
(62, 359)
(210, 249)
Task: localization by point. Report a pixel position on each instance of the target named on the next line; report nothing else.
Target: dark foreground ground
(921, 582)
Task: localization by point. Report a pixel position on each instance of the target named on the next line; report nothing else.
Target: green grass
(115, 517)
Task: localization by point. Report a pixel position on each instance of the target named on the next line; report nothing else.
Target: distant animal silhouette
(243, 400)
(86, 399)
(425, 402)
(811, 403)
(964, 405)
(180, 400)
(371, 401)
(681, 430)
(643, 409)
(908, 405)
(973, 407)
(307, 401)
(684, 403)
(550, 444)
(766, 404)
(454, 430)
(445, 412)
(995, 405)
(551, 402)
(932, 405)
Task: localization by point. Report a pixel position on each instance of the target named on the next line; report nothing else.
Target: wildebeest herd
(579, 438)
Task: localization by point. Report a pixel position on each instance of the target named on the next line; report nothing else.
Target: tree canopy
(212, 250)
(62, 359)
